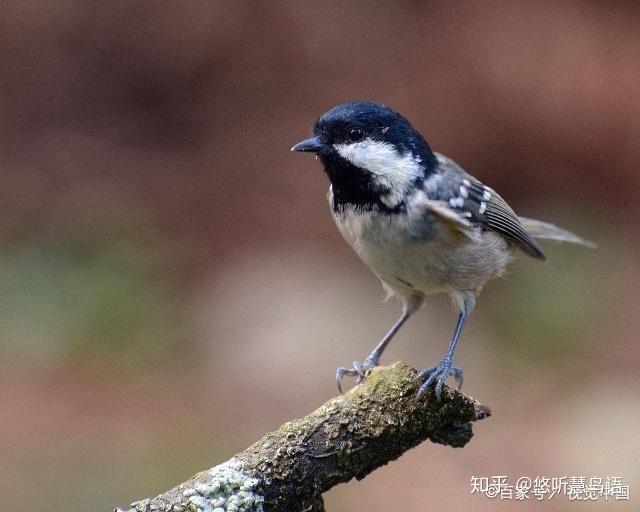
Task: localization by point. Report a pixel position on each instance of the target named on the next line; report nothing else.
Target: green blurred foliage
(60, 302)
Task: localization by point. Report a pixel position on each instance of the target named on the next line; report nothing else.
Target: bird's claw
(358, 370)
(439, 374)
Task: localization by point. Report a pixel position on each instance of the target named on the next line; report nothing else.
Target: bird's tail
(546, 231)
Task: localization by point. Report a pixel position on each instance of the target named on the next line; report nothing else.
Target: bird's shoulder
(477, 203)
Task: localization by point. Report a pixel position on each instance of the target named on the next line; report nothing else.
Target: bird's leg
(444, 368)
(359, 370)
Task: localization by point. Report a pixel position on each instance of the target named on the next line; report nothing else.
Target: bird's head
(371, 154)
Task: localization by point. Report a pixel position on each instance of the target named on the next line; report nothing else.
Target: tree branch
(347, 437)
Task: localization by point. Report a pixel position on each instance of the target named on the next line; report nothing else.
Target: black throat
(356, 187)
(351, 185)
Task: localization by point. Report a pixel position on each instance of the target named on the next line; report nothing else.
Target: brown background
(172, 286)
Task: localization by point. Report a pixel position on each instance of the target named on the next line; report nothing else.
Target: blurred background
(172, 285)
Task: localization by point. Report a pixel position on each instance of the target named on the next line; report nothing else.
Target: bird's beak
(312, 145)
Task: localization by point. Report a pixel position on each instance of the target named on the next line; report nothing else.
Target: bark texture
(349, 436)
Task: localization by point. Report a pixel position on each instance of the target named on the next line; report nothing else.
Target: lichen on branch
(347, 437)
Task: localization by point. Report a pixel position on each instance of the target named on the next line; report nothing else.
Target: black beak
(312, 145)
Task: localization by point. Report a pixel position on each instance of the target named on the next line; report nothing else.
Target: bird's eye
(356, 134)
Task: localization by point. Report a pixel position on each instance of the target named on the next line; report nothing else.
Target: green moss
(347, 437)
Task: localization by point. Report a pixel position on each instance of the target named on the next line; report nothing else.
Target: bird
(418, 220)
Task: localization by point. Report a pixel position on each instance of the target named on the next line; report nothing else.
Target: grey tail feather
(546, 231)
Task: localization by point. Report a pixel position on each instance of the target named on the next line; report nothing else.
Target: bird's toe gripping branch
(438, 374)
(358, 370)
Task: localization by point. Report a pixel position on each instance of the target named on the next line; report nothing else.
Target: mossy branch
(349, 436)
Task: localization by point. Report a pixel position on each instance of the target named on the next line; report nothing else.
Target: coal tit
(416, 219)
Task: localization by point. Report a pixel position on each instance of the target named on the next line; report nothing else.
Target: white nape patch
(483, 207)
(392, 170)
(442, 160)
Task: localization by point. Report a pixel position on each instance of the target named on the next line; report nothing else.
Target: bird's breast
(386, 244)
(408, 253)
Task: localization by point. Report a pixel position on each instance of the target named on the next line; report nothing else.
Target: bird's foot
(438, 374)
(358, 370)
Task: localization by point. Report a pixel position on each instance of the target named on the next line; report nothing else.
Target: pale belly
(436, 261)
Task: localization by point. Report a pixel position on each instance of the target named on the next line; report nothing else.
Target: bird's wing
(482, 206)
(449, 217)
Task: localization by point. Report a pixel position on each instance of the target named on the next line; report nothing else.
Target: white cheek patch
(392, 170)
